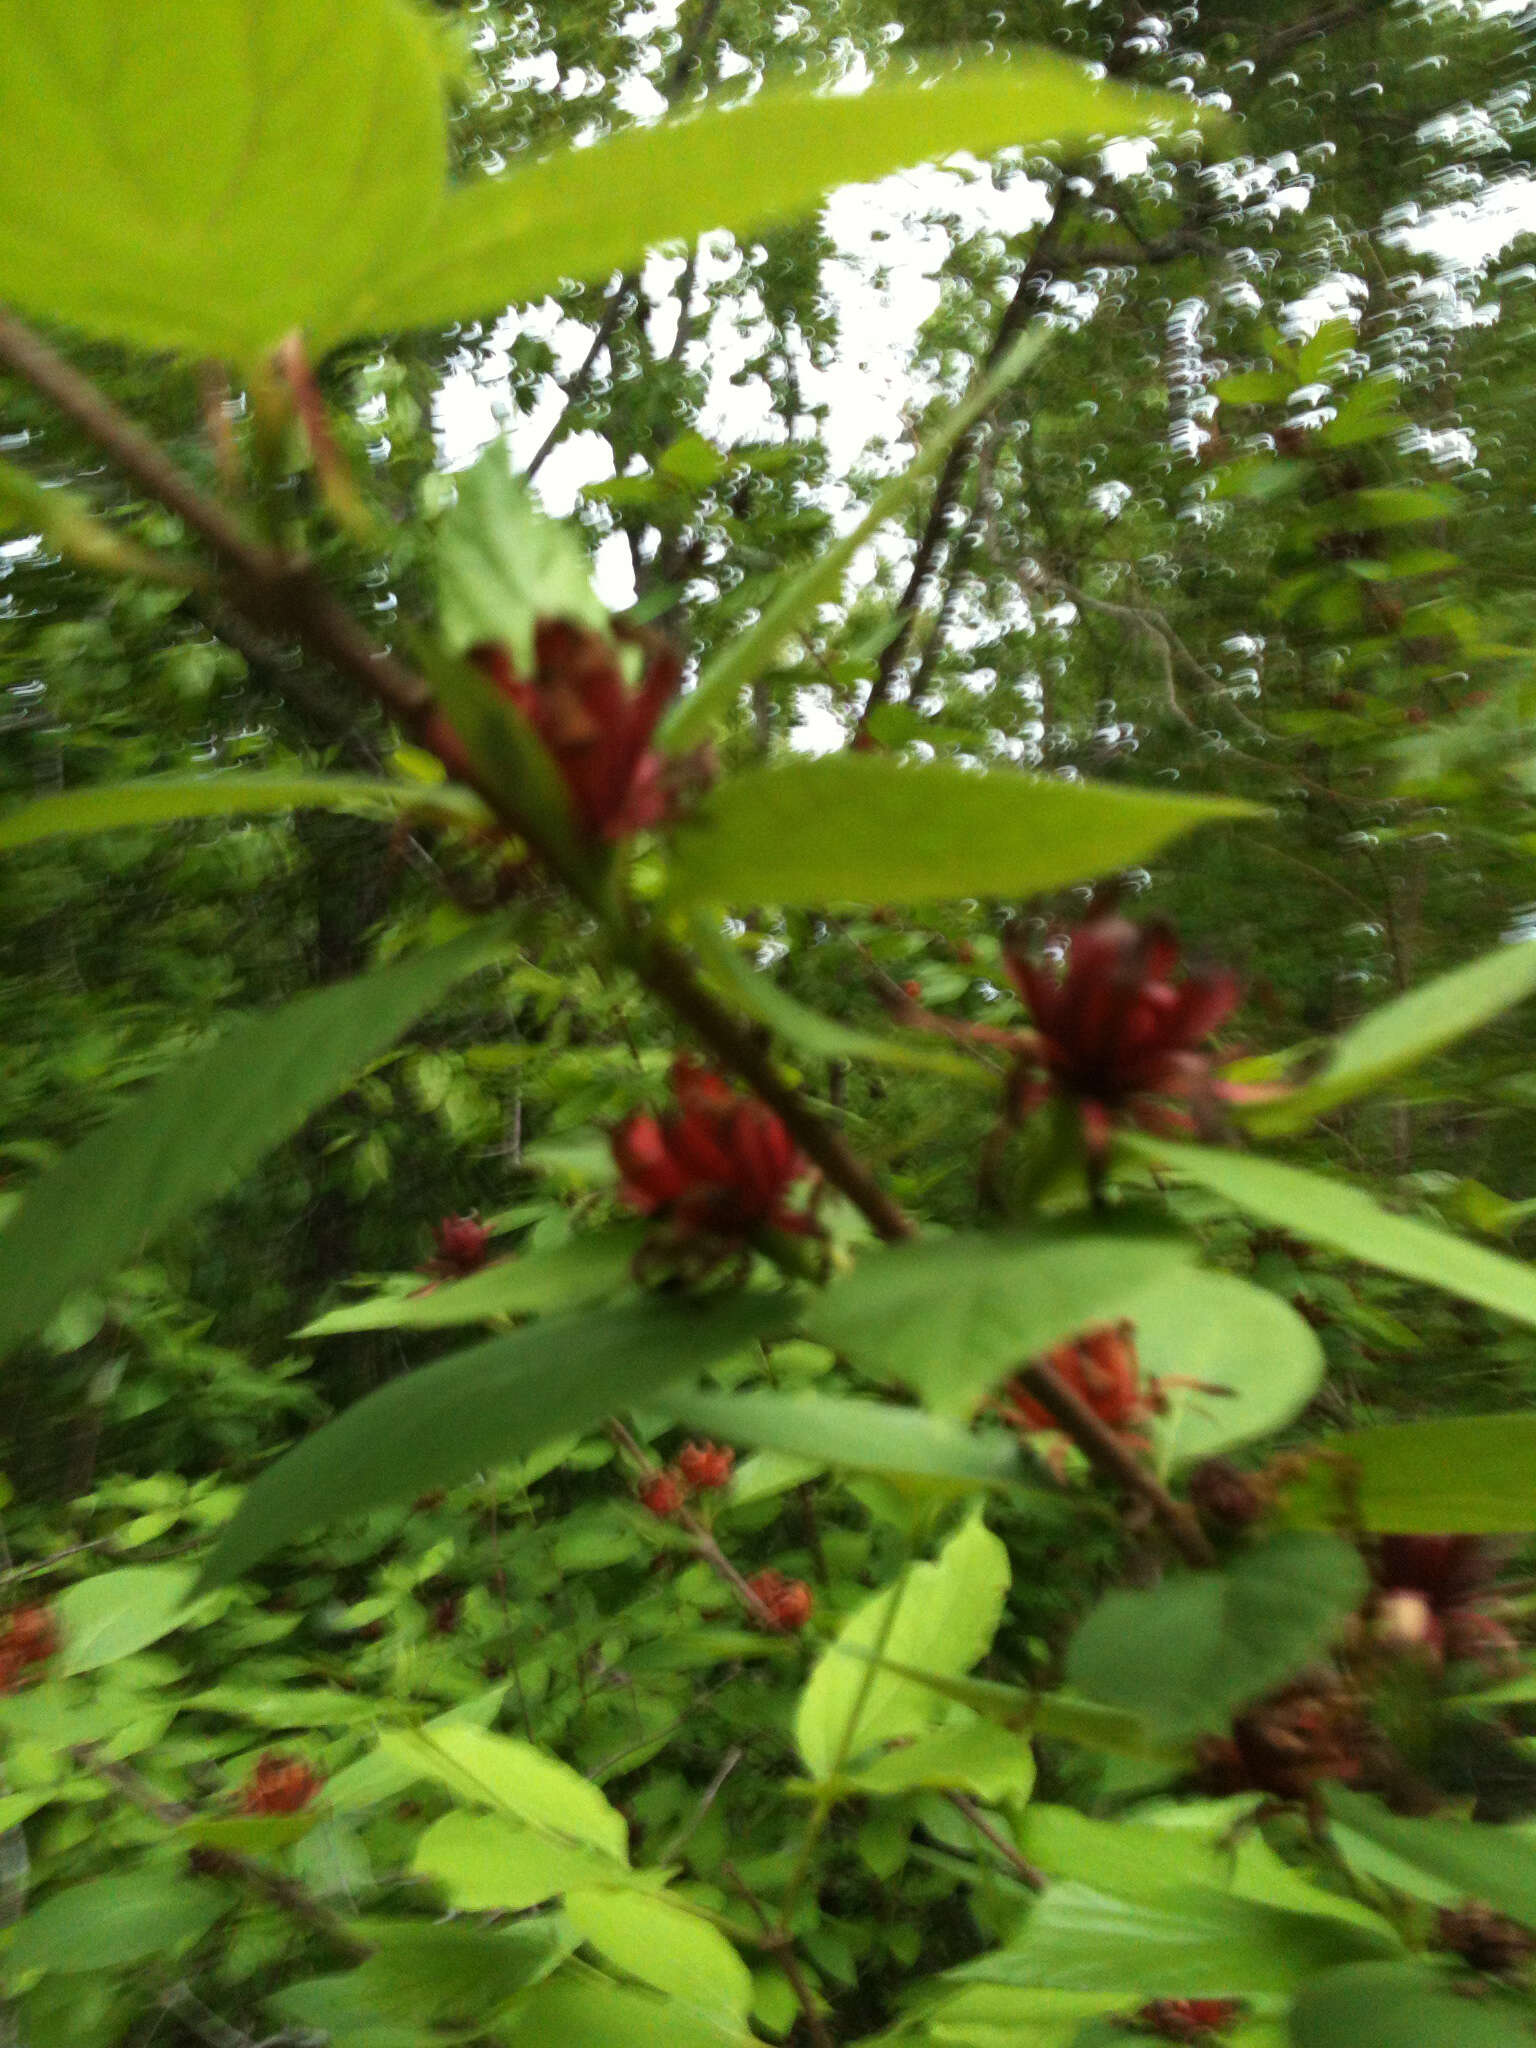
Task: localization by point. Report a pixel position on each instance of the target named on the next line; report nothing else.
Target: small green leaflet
(192, 1134)
(865, 828)
(534, 1283)
(482, 1407)
(1402, 1034)
(167, 799)
(502, 566)
(1329, 1212)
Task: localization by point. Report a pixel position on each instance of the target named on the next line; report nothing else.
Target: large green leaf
(797, 596)
(1472, 1475)
(534, 1284)
(1329, 1212)
(203, 1124)
(111, 1922)
(1402, 1034)
(1187, 1943)
(861, 1436)
(653, 1939)
(1493, 1864)
(589, 2012)
(207, 175)
(1228, 1335)
(1185, 1654)
(585, 213)
(513, 1778)
(1403, 2005)
(166, 799)
(113, 1614)
(865, 828)
(939, 1616)
(487, 1863)
(500, 1400)
(950, 1317)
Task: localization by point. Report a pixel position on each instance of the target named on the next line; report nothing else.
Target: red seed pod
(1102, 1369)
(706, 1467)
(1223, 1493)
(912, 990)
(1489, 1941)
(461, 1243)
(789, 1602)
(717, 1166)
(663, 1494)
(279, 1784)
(28, 1637)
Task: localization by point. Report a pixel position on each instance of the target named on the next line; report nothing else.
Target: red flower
(788, 1601)
(461, 1246)
(1188, 2019)
(706, 1467)
(663, 1494)
(279, 1784)
(717, 1164)
(1102, 1369)
(29, 1636)
(1430, 1600)
(597, 729)
(1117, 1031)
(1288, 1743)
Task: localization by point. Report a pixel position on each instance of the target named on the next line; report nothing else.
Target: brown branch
(1108, 1454)
(703, 1539)
(779, 1942)
(1021, 1865)
(952, 475)
(284, 1892)
(689, 55)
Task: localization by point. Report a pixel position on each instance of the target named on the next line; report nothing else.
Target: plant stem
(780, 1944)
(1021, 1865)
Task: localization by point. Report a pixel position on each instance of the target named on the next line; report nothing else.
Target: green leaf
(1328, 1212)
(796, 597)
(1403, 2005)
(113, 1614)
(530, 1787)
(588, 2012)
(865, 828)
(1223, 1333)
(978, 1757)
(823, 1037)
(1189, 1943)
(111, 1922)
(1472, 1475)
(446, 1974)
(862, 1436)
(166, 799)
(203, 1124)
(1185, 1654)
(308, 147)
(939, 1616)
(585, 213)
(1492, 1864)
(1402, 1034)
(502, 566)
(952, 1316)
(481, 1407)
(485, 1863)
(533, 1284)
(1254, 387)
(664, 1945)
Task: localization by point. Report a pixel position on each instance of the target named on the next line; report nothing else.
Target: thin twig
(780, 1944)
(1021, 1865)
(703, 1541)
(706, 1800)
(1105, 1451)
